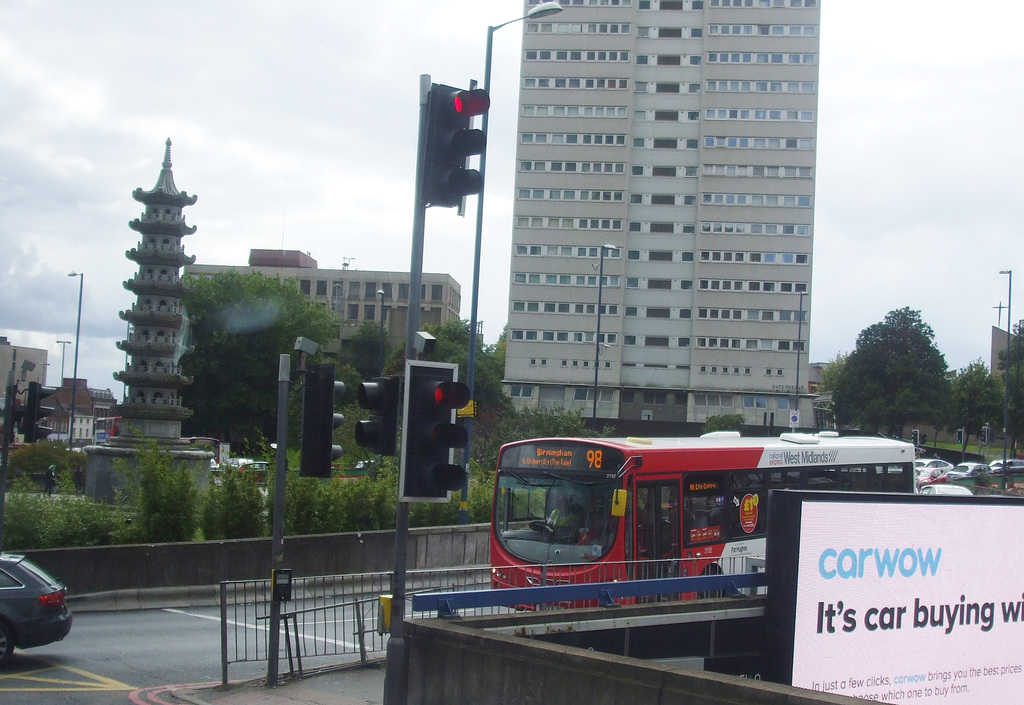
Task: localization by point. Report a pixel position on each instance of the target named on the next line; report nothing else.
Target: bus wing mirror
(619, 503)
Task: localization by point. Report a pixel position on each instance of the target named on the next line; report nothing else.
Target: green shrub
(162, 503)
(165, 497)
(234, 508)
(32, 520)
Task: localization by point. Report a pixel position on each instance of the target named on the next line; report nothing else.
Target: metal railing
(328, 616)
(447, 604)
(340, 615)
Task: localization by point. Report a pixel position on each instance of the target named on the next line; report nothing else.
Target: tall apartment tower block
(665, 168)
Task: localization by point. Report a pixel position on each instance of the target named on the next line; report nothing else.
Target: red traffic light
(472, 102)
(451, 395)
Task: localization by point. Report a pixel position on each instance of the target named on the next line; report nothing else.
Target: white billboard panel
(904, 599)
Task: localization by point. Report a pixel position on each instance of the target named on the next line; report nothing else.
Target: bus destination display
(565, 457)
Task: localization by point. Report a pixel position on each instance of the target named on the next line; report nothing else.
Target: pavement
(343, 685)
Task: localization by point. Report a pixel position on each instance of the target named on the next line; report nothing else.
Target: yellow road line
(89, 682)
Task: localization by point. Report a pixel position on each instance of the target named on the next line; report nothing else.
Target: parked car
(256, 469)
(1013, 466)
(946, 490)
(967, 470)
(32, 607)
(924, 469)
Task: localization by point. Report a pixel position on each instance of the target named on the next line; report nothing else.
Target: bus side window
(781, 479)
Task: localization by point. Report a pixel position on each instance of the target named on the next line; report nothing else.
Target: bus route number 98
(594, 458)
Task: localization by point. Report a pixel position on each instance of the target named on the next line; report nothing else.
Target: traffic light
(380, 396)
(319, 421)
(959, 436)
(916, 435)
(984, 433)
(32, 427)
(429, 432)
(450, 142)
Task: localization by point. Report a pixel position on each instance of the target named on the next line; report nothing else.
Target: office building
(664, 215)
(355, 295)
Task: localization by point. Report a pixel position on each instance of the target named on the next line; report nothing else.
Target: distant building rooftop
(280, 258)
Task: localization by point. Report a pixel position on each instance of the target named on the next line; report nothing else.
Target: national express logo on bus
(780, 458)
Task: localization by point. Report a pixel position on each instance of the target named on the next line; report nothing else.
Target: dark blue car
(32, 608)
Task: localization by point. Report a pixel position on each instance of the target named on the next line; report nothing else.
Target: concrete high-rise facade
(666, 169)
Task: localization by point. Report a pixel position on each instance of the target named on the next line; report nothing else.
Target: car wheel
(6, 643)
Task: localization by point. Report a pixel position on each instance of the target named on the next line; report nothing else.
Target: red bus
(570, 510)
(105, 427)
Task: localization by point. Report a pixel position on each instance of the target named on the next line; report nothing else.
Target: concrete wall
(454, 664)
(106, 568)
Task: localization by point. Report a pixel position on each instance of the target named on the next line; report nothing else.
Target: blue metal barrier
(446, 603)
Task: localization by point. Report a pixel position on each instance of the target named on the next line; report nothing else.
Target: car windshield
(544, 518)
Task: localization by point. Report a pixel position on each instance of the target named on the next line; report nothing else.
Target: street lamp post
(545, 9)
(380, 355)
(63, 344)
(74, 374)
(799, 346)
(597, 334)
(1006, 366)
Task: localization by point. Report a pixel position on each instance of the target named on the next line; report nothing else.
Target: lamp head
(545, 9)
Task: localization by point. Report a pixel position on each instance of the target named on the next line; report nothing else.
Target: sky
(295, 125)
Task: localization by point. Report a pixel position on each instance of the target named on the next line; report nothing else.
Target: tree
(240, 325)
(362, 350)
(452, 345)
(831, 374)
(976, 399)
(1011, 360)
(723, 422)
(894, 377)
(495, 427)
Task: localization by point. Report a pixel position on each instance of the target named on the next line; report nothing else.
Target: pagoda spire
(165, 182)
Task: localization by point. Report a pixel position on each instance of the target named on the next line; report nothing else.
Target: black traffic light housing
(32, 426)
(450, 142)
(381, 396)
(429, 432)
(319, 421)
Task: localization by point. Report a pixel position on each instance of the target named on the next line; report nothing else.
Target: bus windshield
(547, 518)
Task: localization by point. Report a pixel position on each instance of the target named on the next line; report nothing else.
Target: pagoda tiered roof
(165, 192)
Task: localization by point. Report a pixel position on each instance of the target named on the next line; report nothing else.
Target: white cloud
(295, 125)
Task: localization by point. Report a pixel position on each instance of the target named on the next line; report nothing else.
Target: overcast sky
(295, 124)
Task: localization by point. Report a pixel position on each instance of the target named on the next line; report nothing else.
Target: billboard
(896, 598)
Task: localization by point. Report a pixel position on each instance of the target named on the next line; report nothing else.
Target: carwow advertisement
(908, 602)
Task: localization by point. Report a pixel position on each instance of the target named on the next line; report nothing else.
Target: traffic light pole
(396, 674)
(277, 541)
(11, 393)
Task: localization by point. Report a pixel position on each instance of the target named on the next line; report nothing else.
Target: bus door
(656, 531)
